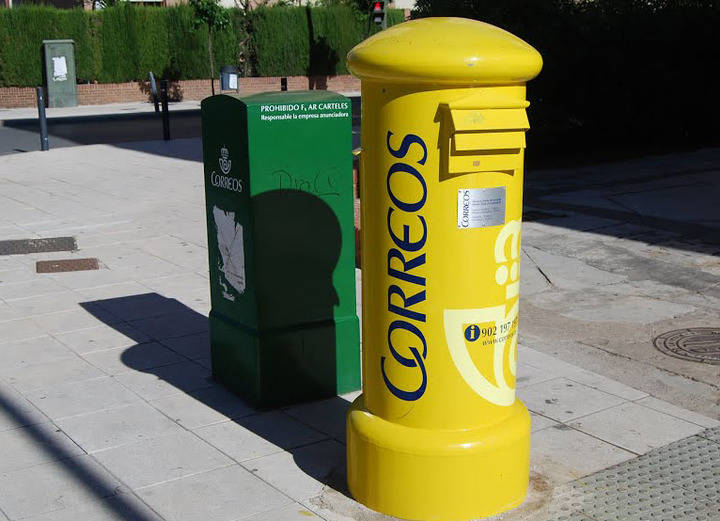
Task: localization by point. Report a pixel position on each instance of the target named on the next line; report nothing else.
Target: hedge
(618, 72)
(124, 42)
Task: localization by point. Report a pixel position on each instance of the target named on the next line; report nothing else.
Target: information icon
(472, 333)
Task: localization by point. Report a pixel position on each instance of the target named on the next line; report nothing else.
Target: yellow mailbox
(437, 433)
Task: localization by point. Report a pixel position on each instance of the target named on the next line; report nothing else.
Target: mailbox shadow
(297, 244)
(163, 320)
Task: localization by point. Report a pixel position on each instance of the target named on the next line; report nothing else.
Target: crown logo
(224, 161)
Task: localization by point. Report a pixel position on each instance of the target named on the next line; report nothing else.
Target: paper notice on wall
(59, 68)
(232, 83)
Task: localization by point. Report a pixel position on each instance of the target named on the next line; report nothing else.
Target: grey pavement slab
(53, 486)
(34, 444)
(114, 427)
(203, 407)
(101, 338)
(161, 459)
(123, 506)
(259, 435)
(291, 512)
(46, 374)
(562, 454)
(75, 398)
(564, 400)
(235, 493)
(635, 428)
(140, 357)
(166, 380)
(303, 473)
(678, 412)
(191, 346)
(16, 411)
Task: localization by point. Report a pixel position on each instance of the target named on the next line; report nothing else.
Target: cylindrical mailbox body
(437, 433)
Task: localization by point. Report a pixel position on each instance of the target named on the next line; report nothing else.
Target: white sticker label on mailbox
(481, 207)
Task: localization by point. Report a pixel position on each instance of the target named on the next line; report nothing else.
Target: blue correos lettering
(401, 261)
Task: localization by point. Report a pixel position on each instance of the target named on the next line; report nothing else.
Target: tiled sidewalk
(107, 411)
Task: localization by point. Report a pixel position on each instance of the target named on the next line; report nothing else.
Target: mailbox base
(280, 367)
(438, 475)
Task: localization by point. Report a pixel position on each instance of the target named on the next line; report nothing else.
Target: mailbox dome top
(447, 51)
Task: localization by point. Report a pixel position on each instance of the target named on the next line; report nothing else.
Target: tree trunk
(212, 62)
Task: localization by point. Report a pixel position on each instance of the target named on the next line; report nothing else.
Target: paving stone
(101, 338)
(40, 304)
(17, 355)
(326, 416)
(635, 428)
(161, 459)
(538, 422)
(567, 273)
(203, 407)
(123, 506)
(53, 486)
(19, 329)
(304, 472)
(167, 380)
(678, 412)
(564, 400)
(259, 435)
(291, 512)
(175, 325)
(74, 398)
(65, 321)
(140, 357)
(135, 306)
(564, 454)
(16, 411)
(607, 385)
(530, 375)
(40, 376)
(630, 309)
(114, 427)
(191, 346)
(34, 444)
(235, 494)
(30, 288)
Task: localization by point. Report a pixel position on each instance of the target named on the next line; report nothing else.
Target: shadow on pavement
(121, 504)
(169, 322)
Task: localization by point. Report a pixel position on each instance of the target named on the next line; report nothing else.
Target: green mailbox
(59, 73)
(279, 203)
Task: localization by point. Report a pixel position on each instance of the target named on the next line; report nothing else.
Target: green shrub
(280, 41)
(123, 42)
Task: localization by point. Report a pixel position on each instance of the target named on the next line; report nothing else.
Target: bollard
(44, 142)
(165, 112)
(437, 433)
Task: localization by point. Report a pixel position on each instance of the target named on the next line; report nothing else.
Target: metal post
(44, 143)
(165, 113)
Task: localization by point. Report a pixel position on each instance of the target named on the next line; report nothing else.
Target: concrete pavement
(107, 410)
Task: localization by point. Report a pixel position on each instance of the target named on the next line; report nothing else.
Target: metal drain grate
(678, 482)
(50, 244)
(698, 344)
(58, 266)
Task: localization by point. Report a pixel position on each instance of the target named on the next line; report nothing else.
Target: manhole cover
(699, 344)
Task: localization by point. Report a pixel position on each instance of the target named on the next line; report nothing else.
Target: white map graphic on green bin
(232, 251)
